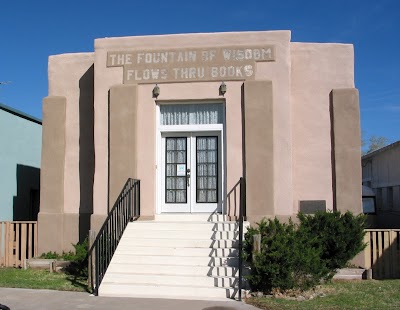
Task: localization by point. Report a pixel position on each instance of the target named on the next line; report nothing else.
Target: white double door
(191, 172)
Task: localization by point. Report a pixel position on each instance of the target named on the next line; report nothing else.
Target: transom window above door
(191, 114)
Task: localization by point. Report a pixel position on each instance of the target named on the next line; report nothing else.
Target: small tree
(374, 143)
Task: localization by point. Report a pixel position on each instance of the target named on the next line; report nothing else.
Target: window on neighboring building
(367, 183)
(368, 204)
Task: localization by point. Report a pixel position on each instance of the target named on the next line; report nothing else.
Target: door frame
(218, 129)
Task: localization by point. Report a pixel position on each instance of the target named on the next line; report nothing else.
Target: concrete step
(178, 243)
(185, 226)
(181, 280)
(175, 260)
(165, 291)
(192, 256)
(190, 217)
(149, 233)
(349, 274)
(224, 271)
(173, 251)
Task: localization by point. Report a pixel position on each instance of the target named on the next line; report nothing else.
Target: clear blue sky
(33, 30)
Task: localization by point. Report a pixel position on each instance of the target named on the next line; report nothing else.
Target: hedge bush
(339, 236)
(78, 259)
(299, 256)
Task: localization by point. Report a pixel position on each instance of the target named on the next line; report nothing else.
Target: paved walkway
(22, 299)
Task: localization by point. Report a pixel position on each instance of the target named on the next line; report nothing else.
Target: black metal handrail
(242, 215)
(125, 209)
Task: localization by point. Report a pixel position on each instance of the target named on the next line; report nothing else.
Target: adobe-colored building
(190, 115)
(288, 122)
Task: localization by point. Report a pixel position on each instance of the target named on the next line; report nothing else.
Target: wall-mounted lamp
(156, 91)
(222, 89)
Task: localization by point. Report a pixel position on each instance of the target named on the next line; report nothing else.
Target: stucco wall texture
(20, 146)
(299, 82)
(316, 70)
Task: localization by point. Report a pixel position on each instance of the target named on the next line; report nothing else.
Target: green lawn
(41, 279)
(339, 295)
(371, 294)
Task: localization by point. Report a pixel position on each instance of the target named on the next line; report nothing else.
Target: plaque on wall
(312, 206)
(225, 63)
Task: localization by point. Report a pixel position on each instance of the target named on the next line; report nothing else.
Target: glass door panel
(175, 170)
(176, 155)
(207, 162)
(207, 169)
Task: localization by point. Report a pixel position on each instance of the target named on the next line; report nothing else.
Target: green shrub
(50, 255)
(339, 236)
(300, 256)
(79, 260)
(286, 259)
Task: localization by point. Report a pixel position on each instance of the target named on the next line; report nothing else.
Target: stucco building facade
(20, 154)
(288, 122)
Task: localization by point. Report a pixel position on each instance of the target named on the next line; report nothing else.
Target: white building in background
(381, 172)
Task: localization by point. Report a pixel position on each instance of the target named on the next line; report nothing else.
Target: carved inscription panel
(184, 65)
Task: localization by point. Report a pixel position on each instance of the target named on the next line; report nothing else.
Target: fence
(382, 253)
(18, 241)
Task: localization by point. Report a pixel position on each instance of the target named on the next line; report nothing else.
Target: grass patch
(371, 294)
(41, 279)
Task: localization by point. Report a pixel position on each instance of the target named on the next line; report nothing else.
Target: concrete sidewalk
(22, 299)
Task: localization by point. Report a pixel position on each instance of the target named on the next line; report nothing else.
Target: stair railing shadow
(73, 279)
(233, 201)
(235, 209)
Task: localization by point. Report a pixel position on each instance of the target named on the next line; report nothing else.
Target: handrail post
(134, 197)
(137, 209)
(97, 268)
(241, 214)
(91, 273)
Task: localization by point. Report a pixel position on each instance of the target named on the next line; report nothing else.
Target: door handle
(188, 177)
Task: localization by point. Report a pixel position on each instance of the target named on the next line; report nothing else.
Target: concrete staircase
(179, 256)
